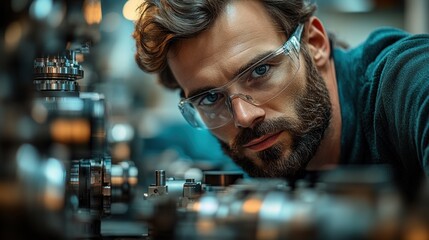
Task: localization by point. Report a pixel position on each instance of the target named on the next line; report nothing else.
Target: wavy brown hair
(162, 22)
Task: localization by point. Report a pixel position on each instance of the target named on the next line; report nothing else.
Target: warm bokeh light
(92, 11)
(252, 206)
(130, 9)
(121, 151)
(71, 130)
(117, 180)
(13, 35)
(206, 226)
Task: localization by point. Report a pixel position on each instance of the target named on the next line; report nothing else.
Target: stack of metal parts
(54, 158)
(55, 171)
(78, 122)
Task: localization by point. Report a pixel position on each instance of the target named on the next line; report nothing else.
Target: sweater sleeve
(403, 102)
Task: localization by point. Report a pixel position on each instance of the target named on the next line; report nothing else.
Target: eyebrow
(240, 71)
(251, 63)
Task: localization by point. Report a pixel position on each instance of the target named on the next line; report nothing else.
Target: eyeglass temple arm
(295, 40)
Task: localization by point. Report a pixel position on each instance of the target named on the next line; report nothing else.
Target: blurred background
(81, 125)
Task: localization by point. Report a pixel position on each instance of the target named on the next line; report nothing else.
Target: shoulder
(391, 56)
(391, 92)
(381, 47)
(395, 66)
(398, 90)
(402, 57)
(387, 42)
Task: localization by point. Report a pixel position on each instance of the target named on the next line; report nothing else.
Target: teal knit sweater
(383, 87)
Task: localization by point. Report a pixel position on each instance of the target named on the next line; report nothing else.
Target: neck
(328, 154)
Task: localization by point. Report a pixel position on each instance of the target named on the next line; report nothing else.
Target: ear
(318, 42)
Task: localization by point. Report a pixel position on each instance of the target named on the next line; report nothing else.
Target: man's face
(278, 138)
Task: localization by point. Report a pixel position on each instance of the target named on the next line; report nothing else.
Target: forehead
(208, 60)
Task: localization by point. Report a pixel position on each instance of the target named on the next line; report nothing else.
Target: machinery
(77, 120)
(345, 203)
(56, 167)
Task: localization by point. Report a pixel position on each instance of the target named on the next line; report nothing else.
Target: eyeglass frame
(294, 40)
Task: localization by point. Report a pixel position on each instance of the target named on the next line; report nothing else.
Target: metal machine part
(345, 203)
(221, 178)
(191, 189)
(124, 181)
(62, 67)
(55, 170)
(159, 178)
(90, 183)
(58, 74)
(77, 120)
(177, 188)
(159, 188)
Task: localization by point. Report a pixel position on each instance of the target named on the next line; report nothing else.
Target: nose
(245, 113)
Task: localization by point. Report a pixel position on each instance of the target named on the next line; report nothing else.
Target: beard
(314, 112)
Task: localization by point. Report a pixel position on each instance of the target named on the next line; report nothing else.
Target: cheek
(226, 133)
(286, 103)
(296, 88)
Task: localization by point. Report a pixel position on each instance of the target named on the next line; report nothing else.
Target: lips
(263, 142)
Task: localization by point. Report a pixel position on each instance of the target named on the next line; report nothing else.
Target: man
(264, 77)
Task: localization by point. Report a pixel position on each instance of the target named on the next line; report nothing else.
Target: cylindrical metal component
(90, 183)
(191, 189)
(221, 178)
(159, 178)
(57, 74)
(56, 85)
(58, 67)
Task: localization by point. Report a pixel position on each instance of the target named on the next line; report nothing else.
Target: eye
(260, 70)
(210, 99)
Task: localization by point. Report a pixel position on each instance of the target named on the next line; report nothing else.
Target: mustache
(263, 128)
